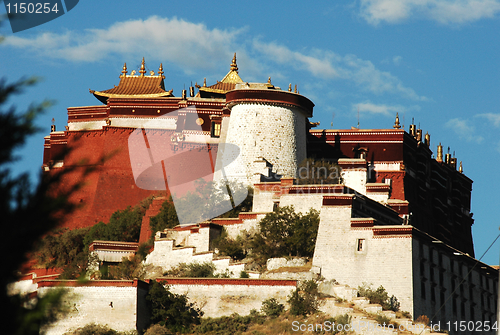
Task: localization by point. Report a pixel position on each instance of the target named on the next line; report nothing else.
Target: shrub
(244, 274)
(271, 307)
(194, 270)
(96, 329)
(379, 296)
(171, 310)
(285, 233)
(229, 325)
(157, 329)
(382, 319)
(166, 218)
(423, 319)
(304, 300)
(234, 248)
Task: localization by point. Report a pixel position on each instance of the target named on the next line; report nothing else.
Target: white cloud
(184, 43)
(443, 11)
(380, 109)
(329, 65)
(464, 130)
(494, 118)
(194, 46)
(397, 60)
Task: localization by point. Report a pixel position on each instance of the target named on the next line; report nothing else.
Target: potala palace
(401, 217)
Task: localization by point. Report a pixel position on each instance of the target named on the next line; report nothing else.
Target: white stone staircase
(344, 300)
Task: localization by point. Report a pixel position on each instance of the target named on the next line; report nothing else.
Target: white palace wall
(217, 297)
(118, 304)
(383, 261)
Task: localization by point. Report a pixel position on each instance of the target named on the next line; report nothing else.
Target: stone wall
(385, 261)
(218, 297)
(118, 304)
(272, 132)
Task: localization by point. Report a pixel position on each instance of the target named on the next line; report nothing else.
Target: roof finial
(160, 70)
(269, 80)
(396, 122)
(460, 168)
(439, 157)
(234, 67)
(142, 71)
(290, 87)
(124, 70)
(204, 82)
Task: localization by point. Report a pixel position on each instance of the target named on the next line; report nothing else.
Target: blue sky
(432, 60)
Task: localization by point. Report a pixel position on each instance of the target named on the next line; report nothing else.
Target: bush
(96, 329)
(285, 233)
(166, 218)
(69, 249)
(304, 300)
(229, 325)
(193, 270)
(244, 274)
(157, 329)
(234, 248)
(379, 296)
(382, 319)
(271, 307)
(424, 319)
(171, 310)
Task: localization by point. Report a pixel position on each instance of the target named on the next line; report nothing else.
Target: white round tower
(265, 134)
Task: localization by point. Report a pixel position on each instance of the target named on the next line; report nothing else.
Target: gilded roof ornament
(160, 70)
(439, 157)
(124, 70)
(397, 125)
(142, 71)
(290, 87)
(460, 168)
(234, 67)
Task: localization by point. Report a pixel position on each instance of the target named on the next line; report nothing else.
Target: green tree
(271, 307)
(166, 218)
(285, 233)
(124, 225)
(304, 300)
(28, 212)
(171, 310)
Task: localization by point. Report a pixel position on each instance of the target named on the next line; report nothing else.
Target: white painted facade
(272, 132)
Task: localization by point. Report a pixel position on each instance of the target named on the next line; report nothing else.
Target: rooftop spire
(124, 70)
(142, 71)
(234, 67)
(397, 125)
(160, 70)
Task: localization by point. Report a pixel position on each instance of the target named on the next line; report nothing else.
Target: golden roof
(136, 86)
(227, 83)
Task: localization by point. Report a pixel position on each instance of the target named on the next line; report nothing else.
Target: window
(360, 244)
(215, 129)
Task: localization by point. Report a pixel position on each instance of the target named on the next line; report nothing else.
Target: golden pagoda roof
(228, 83)
(136, 86)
